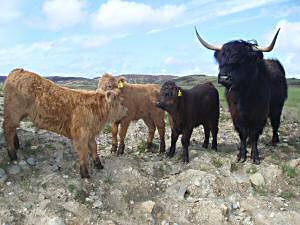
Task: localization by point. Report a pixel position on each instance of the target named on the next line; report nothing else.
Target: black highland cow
(256, 89)
(189, 109)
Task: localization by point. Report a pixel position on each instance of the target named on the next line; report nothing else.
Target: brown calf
(140, 99)
(76, 114)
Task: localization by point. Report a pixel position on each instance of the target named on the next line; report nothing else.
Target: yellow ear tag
(179, 93)
(121, 84)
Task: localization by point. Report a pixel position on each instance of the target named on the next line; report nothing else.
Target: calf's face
(169, 94)
(118, 110)
(109, 82)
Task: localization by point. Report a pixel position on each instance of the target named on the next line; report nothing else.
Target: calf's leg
(114, 133)
(122, 134)
(254, 151)
(93, 150)
(214, 132)
(81, 146)
(160, 124)
(174, 138)
(242, 155)
(151, 130)
(206, 134)
(275, 122)
(185, 140)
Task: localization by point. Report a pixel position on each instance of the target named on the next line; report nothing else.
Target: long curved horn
(206, 45)
(271, 46)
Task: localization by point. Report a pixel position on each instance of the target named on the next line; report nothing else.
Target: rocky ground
(147, 188)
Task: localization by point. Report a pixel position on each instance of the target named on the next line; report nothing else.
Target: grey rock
(98, 204)
(31, 161)
(147, 206)
(56, 221)
(257, 179)
(3, 176)
(14, 169)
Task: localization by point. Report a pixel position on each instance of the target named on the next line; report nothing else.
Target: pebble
(3, 176)
(56, 221)
(31, 161)
(14, 169)
(98, 204)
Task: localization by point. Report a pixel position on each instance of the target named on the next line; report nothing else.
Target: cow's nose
(159, 104)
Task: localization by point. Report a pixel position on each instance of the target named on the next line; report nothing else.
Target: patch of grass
(233, 167)
(4, 165)
(71, 188)
(251, 170)
(25, 185)
(108, 180)
(287, 195)
(288, 170)
(80, 196)
(142, 147)
(107, 129)
(262, 190)
(217, 162)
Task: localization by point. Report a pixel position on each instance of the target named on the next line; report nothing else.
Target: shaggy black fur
(255, 90)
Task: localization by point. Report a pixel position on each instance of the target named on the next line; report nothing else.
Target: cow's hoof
(98, 165)
(238, 158)
(215, 148)
(121, 149)
(243, 159)
(256, 161)
(205, 145)
(113, 148)
(186, 161)
(85, 176)
(162, 149)
(171, 153)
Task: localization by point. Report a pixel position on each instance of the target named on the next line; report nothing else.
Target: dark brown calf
(189, 109)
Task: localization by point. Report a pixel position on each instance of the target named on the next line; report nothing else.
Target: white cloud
(64, 13)
(116, 13)
(171, 61)
(9, 10)
(288, 45)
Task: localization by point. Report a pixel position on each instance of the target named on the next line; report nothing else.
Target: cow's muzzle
(225, 80)
(160, 105)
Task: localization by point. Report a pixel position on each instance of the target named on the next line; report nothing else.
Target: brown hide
(76, 114)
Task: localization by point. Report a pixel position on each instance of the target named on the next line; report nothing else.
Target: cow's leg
(242, 155)
(151, 130)
(122, 134)
(114, 133)
(185, 140)
(214, 131)
(206, 134)
(93, 150)
(174, 138)
(81, 146)
(254, 151)
(11, 121)
(160, 124)
(275, 122)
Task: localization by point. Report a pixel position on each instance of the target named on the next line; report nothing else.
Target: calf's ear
(110, 96)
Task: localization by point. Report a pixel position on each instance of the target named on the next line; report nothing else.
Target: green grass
(142, 147)
(262, 190)
(289, 171)
(80, 196)
(251, 170)
(217, 162)
(292, 104)
(71, 188)
(107, 129)
(287, 195)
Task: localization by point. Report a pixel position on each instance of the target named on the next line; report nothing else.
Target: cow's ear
(110, 96)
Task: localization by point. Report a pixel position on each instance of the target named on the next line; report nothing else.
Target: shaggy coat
(255, 90)
(76, 114)
(140, 99)
(189, 109)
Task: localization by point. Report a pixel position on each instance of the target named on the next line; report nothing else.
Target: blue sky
(87, 38)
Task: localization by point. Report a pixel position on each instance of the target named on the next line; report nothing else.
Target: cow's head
(170, 95)
(109, 82)
(238, 60)
(118, 110)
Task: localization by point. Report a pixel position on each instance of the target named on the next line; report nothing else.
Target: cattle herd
(255, 89)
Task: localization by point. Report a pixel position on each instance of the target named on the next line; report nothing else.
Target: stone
(257, 179)
(98, 204)
(147, 206)
(14, 169)
(294, 163)
(31, 161)
(56, 221)
(3, 176)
